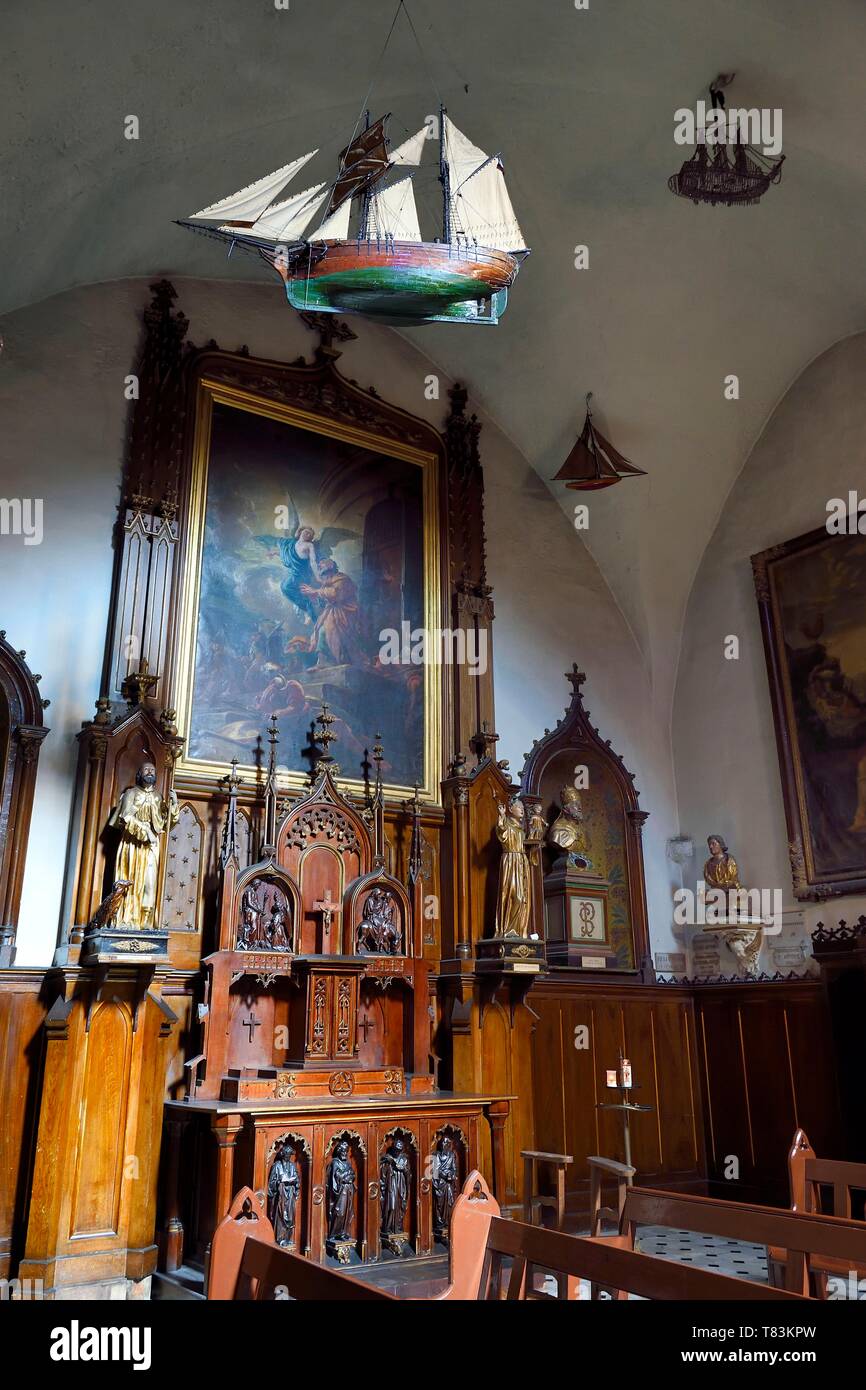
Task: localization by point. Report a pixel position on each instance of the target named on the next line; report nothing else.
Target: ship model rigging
(355, 245)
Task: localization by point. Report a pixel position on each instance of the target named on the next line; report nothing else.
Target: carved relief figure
(284, 1184)
(379, 932)
(278, 935)
(341, 1193)
(252, 910)
(265, 918)
(445, 1181)
(568, 832)
(141, 816)
(395, 1171)
(513, 907)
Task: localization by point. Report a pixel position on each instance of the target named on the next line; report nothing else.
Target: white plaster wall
(813, 448)
(62, 426)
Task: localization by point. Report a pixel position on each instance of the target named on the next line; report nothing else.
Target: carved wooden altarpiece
(341, 1044)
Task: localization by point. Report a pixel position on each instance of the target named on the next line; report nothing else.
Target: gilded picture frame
(810, 601)
(342, 448)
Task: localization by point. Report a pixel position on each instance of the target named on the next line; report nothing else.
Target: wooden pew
(531, 1249)
(810, 1239)
(473, 1211)
(807, 1175)
(246, 1264)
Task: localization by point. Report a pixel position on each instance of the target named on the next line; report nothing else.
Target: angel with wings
(302, 554)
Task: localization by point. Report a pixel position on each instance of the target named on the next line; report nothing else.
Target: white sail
(393, 212)
(247, 203)
(335, 227)
(411, 150)
(462, 157)
(481, 211)
(286, 221)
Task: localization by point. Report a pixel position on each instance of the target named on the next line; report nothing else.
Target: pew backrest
(802, 1234)
(532, 1250)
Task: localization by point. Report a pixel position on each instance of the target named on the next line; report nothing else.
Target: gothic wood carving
(573, 739)
(21, 735)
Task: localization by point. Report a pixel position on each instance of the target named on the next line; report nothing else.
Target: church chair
(622, 1174)
(807, 1176)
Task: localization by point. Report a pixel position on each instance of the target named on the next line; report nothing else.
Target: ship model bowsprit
(355, 245)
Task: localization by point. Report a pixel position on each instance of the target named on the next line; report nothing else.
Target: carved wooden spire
(229, 846)
(271, 788)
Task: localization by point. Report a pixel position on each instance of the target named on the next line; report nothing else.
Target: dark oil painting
(819, 623)
(312, 546)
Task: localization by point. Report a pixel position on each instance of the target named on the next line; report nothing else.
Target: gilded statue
(568, 832)
(742, 934)
(514, 903)
(141, 816)
(720, 870)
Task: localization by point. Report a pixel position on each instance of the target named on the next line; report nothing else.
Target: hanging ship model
(385, 270)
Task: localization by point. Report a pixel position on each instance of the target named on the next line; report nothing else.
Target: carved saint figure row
(266, 921)
(395, 1182)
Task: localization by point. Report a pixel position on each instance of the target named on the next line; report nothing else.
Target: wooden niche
(21, 735)
(594, 912)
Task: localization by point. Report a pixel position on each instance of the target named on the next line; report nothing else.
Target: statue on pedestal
(720, 870)
(284, 1184)
(395, 1170)
(340, 1201)
(445, 1180)
(568, 832)
(742, 933)
(514, 902)
(141, 816)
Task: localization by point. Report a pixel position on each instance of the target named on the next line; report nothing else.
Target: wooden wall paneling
(22, 1012)
(766, 1065)
(655, 1029)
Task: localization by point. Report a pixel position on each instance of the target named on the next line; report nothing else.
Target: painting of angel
(310, 547)
(810, 597)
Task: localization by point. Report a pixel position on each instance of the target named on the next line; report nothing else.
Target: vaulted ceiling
(581, 103)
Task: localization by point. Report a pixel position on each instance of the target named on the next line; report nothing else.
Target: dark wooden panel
(767, 1068)
(21, 1014)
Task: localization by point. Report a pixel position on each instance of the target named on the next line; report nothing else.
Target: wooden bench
(810, 1239)
(246, 1264)
(807, 1175)
(533, 1251)
(493, 1259)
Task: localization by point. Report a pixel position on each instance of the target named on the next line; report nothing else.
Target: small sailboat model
(383, 268)
(593, 462)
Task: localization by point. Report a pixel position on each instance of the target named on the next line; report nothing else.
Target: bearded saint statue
(141, 816)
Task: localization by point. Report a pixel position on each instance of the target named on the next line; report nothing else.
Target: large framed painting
(812, 598)
(309, 540)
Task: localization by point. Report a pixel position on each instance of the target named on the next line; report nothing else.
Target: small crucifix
(329, 908)
(366, 1024)
(251, 1023)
